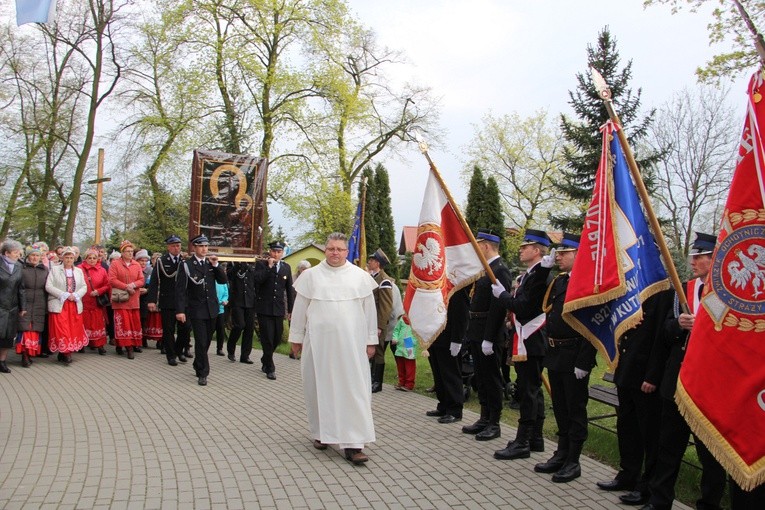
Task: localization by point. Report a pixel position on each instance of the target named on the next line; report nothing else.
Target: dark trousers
(242, 323)
(746, 500)
(271, 329)
(569, 402)
(673, 441)
(173, 344)
(638, 423)
(220, 331)
(447, 379)
(488, 378)
(530, 396)
(203, 331)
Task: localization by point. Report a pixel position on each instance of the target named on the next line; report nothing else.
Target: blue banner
(34, 11)
(354, 241)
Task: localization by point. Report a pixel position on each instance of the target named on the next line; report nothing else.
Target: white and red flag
(443, 262)
(721, 389)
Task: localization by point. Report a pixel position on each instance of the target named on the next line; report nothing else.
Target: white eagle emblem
(746, 269)
(428, 256)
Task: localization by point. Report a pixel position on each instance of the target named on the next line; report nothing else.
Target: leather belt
(560, 342)
(479, 315)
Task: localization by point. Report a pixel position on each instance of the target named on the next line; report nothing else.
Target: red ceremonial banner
(721, 390)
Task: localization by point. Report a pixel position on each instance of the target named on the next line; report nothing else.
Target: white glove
(579, 373)
(64, 296)
(549, 260)
(497, 289)
(455, 348)
(487, 348)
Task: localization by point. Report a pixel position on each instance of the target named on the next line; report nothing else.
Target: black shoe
(475, 428)
(376, 387)
(248, 361)
(570, 471)
(514, 450)
(448, 418)
(188, 354)
(172, 362)
(101, 351)
(271, 376)
(120, 351)
(182, 358)
(202, 381)
(489, 433)
(635, 498)
(232, 358)
(553, 465)
(4, 368)
(435, 413)
(137, 349)
(43, 355)
(219, 352)
(615, 485)
(649, 506)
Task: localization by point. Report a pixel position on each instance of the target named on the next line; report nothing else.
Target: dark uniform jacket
(162, 282)
(195, 293)
(487, 315)
(574, 351)
(241, 284)
(526, 304)
(383, 295)
(272, 289)
(642, 355)
(457, 317)
(675, 339)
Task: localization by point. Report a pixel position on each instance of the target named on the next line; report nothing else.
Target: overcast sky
(504, 56)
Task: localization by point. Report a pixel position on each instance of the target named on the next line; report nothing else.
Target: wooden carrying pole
(362, 229)
(605, 94)
(465, 227)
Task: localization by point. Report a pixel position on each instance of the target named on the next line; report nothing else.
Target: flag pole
(362, 229)
(424, 149)
(605, 94)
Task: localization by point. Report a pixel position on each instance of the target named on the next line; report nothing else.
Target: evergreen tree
(475, 200)
(583, 138)
(386, 231)
(372, 235)
(492, 217)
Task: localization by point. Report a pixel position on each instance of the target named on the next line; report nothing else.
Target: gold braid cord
(744, 324)
(746, 216)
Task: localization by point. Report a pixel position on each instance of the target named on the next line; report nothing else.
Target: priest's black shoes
(202, 381)
(434, 412)
(635, 498)
(271, 376)
(615, 485)
(475, 428)
(490, 432)
(570, 471)
(448, 418)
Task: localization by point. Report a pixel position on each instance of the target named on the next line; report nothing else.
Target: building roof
(408, 240)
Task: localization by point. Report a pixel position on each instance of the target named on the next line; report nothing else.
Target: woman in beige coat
(65, 287)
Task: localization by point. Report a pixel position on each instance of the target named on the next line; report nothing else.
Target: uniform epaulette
(386, 284)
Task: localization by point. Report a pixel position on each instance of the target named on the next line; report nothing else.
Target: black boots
(537, 439)
(518, 449)
(478, 426)
(557, 460)
(378, 371)
(571, 469)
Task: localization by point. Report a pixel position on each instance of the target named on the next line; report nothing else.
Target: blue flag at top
(618, 265)
(354, 242)
(35, 11)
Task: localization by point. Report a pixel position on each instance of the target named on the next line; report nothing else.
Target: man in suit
(197, 300)
(444, 361)
(569, 361)
(241, 281)
(384, 304)
(642, 357)
(161, 296)
(675, 432)
(485, 334)
(529, 341)
(273, 303)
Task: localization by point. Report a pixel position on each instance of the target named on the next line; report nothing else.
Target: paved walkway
(107, 432)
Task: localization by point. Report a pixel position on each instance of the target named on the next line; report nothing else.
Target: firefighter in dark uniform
(569, 361)
(642, 358)
(241, 284)
(675, 433)
(197, 301)
(485, 334)
(444, 360)
(529, 341)
(161, 296)
(384, 304)
(273, 303)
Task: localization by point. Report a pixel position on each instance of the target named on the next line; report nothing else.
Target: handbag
(102, 299)
(119, 296)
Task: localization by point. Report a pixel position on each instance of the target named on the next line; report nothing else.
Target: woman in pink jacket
(93, 313)
(126, 279)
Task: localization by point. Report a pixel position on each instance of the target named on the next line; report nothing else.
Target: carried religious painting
(228, 197)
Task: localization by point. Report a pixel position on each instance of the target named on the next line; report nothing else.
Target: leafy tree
(727, 25)
(583, 137)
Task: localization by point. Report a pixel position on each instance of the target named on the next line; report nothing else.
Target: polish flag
(443, 262)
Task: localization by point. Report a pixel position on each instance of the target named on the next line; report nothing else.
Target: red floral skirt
(153, 328)
(28, 342)
(95, 326)
(127, 328)
(66, 330)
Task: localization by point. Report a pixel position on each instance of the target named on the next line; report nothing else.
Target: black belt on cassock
(479, 315)
(560, 342)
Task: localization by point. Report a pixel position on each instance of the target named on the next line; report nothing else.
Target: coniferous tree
(583, 136)
(492, 217)
(475, 200)
(372, 236)
(386, 231)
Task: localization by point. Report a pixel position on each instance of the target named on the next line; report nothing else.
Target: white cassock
(335, 318)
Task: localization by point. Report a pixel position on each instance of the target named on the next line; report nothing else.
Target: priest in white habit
(334, 325)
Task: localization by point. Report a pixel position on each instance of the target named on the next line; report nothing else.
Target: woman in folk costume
(94, 313)
(12, 300)
(151, 322)
(126, 280)
(31, 326)
(66, 286)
